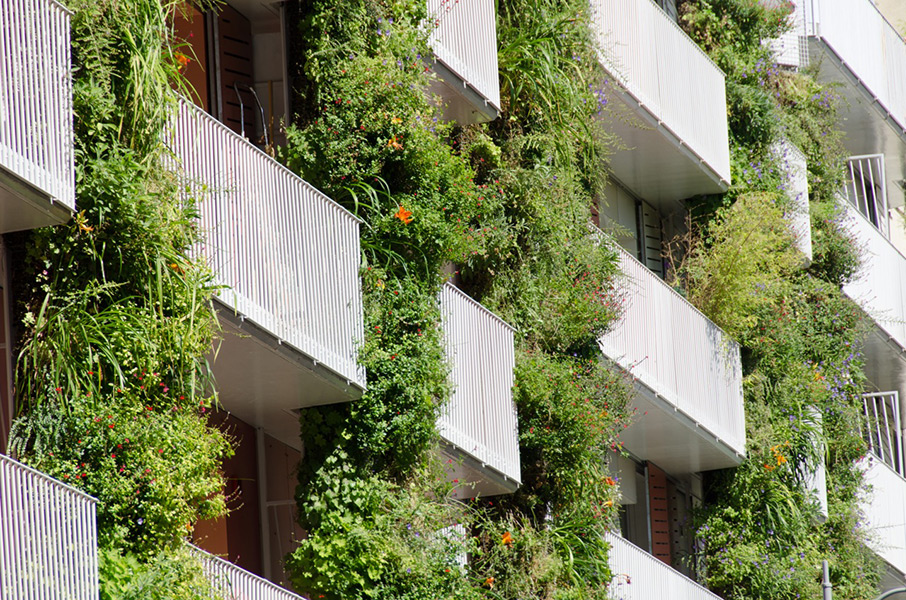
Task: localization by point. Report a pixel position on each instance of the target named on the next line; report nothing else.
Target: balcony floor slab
(263, 381)
(654, 163)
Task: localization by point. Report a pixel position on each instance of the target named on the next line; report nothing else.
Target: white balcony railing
(668, 75)
(48, 537)
(867, 44)
(679, 354)
(480, 418)
(865, 187)
(464, 38)
(287, 255)
(795, 184)
(36, 97)
(882, 430)
(233, 583)
(638, 575)
(885, 509)
(789, 49)
(880, 287)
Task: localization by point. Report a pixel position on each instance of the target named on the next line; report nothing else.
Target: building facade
(292, 327)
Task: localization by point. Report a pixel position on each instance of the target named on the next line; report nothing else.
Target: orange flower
(768, 467)
(183, 60)
(608, 503)
(507, 539)
(609, 481)
(781, 459)
(489, 582)
(404, 215)
(393, 144)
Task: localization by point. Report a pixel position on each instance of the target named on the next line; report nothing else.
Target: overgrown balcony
(852, 44)
(37, 173)
(287, 258)
(669, 102)
(463, 36)
(48, 537)
(885, 502)
(687, 371)
(478, 426)
(880, 285)
(637, 574)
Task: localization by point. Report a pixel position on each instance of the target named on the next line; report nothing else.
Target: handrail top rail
(203, 114)
(865, 157)
(612, 243)
(61, 6)
(880, 394)
(477, 304)
(48, 478)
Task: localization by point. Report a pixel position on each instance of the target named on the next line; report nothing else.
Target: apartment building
(291, 325)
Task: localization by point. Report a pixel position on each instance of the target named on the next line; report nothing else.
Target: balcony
(287, 258)
(880, 286)
(37, 173)
(852, 43)
(464, 39)
(229, 581)
(478, 426)
(48, 537)
(688, 376)
(885, 507)
(637, 574)
(670, 101)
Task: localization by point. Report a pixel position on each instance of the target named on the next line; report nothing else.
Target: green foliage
(112, 383)
(171, 575)
(369, 538)
(565, 559)
(800, 335)
(505, 208)
(747, 252)
(570, 412)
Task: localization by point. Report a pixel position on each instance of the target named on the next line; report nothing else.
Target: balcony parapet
(885, 509)
(637, 574)
(478, 425)
(230, 581)
(463, 36)
(880, 287)
(688, 374)
(851, 43)
(678, 95)
(37, 172)
(287, 258)
(48, 537)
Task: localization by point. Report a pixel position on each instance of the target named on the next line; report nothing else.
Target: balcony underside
(23, 206)
(654, 163)
(885, 361)
(869, 127)
(263, 380)
(673, 440)
(462, 103)
(475, 478)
